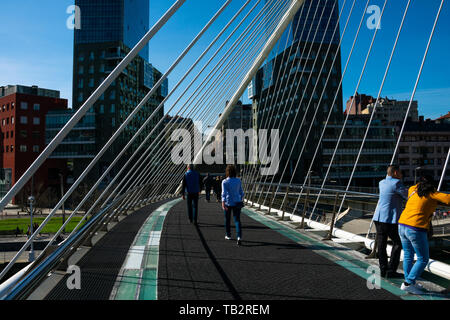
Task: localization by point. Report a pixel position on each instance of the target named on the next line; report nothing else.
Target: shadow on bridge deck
(198, 263)
(135, 260)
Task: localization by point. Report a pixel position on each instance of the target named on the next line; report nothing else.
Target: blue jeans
(414, 241)
(237, 221)
(192, 206)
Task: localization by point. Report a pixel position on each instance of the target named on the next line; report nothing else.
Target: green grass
(51, 227)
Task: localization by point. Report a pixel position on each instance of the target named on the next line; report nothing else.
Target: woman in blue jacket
(232, 197)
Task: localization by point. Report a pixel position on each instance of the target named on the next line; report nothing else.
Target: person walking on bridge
(387, 213)
(217, 188)
(208, 182)
(191, 186)
(232, 197)
(414, 224)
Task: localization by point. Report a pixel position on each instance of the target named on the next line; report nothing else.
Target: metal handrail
(30, 280)
(297, 186)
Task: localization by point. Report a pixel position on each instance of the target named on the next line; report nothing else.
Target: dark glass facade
(293, 79)
(109, 30)
(113, 20)
(311, 12)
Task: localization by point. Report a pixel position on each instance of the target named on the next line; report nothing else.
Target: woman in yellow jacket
(413, 225)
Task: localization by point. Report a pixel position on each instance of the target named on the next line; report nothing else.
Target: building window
(102, 109)
(23, 134)
(12, 105)
(36, 135)
(80, 83)
(112, 95)
(24, 105)
(23, 148)
(36, 120)
(36, 107)
(113, 108)
(80, 97)
(102, 67)
(81, 57)
(12, 134)
(91, 69)
(7, 107)
(23, 120)
(12, 148)
(92, 56)
(91, 82)
(7, 148)
(35, 148)
(81, 70)
(12, 120)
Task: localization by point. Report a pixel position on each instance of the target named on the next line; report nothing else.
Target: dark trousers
(192, 206)
(385, 230)
(237, 221)
(208, 193)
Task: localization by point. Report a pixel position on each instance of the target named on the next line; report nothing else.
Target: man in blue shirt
(191, 186)
(387, 213)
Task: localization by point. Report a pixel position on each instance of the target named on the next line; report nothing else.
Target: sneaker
(239, 241)
(227, 238)
(412, 288)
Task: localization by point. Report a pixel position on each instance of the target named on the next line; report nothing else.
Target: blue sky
(37, 47)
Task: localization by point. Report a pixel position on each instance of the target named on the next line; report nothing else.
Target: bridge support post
(330, 232)
(262, 191)
(305, 206)
(283, 208)
(274, 191)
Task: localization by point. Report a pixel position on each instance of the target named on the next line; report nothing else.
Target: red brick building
(22, 139)
(358, 103)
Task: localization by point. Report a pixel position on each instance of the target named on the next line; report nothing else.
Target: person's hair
(230, 172)
(191, 166)
(426, 186)
(392, 169)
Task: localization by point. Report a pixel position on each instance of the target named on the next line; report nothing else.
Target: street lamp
(415, 174)
(31, 201)
(62, 195)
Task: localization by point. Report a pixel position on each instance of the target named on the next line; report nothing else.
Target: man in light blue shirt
(232, 197)
(387, 213)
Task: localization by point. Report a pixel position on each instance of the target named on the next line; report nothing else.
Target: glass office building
(114, 20)
(109, 30)
(293, 78)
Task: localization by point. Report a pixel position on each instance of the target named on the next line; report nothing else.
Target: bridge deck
(156, 253)
(198, 263)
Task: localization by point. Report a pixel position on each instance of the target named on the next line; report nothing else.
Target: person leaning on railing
(414, 224)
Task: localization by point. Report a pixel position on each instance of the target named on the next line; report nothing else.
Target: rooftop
(33, 90)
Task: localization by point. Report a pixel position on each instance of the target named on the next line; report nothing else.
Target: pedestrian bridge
(156, 254)
(134, 240)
